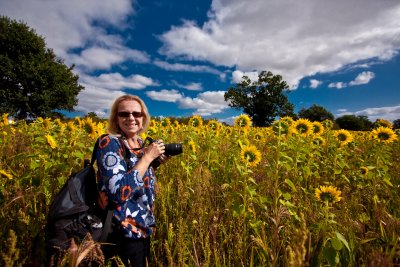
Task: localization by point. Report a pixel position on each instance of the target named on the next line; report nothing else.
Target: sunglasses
(126, 114)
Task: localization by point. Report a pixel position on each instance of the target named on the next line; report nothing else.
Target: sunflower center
(250, 156)
(383, 136)
(342, 137)
(327, 196)
(302, 128)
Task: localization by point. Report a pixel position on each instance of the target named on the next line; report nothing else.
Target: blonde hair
(113, 127)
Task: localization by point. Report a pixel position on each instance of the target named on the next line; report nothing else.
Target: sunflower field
(297, 193)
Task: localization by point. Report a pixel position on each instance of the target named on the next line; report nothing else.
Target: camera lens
(173, 149)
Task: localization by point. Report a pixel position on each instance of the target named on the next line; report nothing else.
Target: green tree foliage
(33, 82)
(315, 113)
(354, 123)
(262, 100)
(396, 124)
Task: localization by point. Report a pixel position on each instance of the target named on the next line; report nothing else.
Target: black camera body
(171, 149)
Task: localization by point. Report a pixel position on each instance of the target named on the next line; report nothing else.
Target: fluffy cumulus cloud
(69, 24)
(204, 104)
(292, 38)
(96, 99)
(362, 78)
(388, 113)
(237, 76)
(315, 83)
(115, 81)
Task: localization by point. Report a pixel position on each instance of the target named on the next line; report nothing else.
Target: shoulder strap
(96, 146)
(126, 153)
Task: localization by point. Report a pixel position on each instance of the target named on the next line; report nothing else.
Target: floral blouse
(133, 195)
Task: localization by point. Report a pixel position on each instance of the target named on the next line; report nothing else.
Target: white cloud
(165, 95)
(338, 85)
(96, 99)
(315, 83)
(190, 86)
(69, 24)
(103, 58)
(387, 113)
(204, 104)
(115, 81)
(186, 67)
(237, 76)
(363, 78)
(292, 38)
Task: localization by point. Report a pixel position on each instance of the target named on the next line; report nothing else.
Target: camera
(171, 149)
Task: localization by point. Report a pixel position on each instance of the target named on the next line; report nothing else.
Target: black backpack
(74, 212)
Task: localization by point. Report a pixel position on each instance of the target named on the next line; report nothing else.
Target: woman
(128, 182)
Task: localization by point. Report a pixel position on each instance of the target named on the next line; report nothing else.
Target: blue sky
(181, 56)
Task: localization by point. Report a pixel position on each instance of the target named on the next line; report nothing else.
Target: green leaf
(290, 183)
(336, 243)
(331, 256)
(343, 240)
(338, 171)
(387, 181)
(287, 196)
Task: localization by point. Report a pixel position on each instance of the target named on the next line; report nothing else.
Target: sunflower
(328, 194)
(196, 121)
(319, 141)
(364, 170)
(176, 124)
(258, 136)
(192, 146)
(381, 122)
(288, 120)
(50, 140)
(47, 123)
(166, 122)
(153, 123)
(91, 128)
(151, 131)
(302, 126)
(343, 136)
(71, 127)
(228, 131)
(78, 121)
(328, 124)
(250, 155)
(242, 121)
(384, 135)
(318, 128)
(243, 143)
(5, 118)
(280, 127)
(214, 126)
(6, 174)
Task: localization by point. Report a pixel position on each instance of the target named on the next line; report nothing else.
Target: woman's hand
(155, 149)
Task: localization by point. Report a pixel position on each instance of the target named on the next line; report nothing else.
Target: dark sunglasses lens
(137, 114)
(125, 114)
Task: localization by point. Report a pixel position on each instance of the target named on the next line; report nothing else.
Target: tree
(315, 113)
(396, 124)
(262, 100)
(33, 82)
(354, 123)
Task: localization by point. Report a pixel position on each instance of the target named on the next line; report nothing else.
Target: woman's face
(130, 123)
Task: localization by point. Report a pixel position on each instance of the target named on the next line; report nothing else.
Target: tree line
(35, 83)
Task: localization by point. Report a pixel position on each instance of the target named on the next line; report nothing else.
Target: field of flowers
(293, 194)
